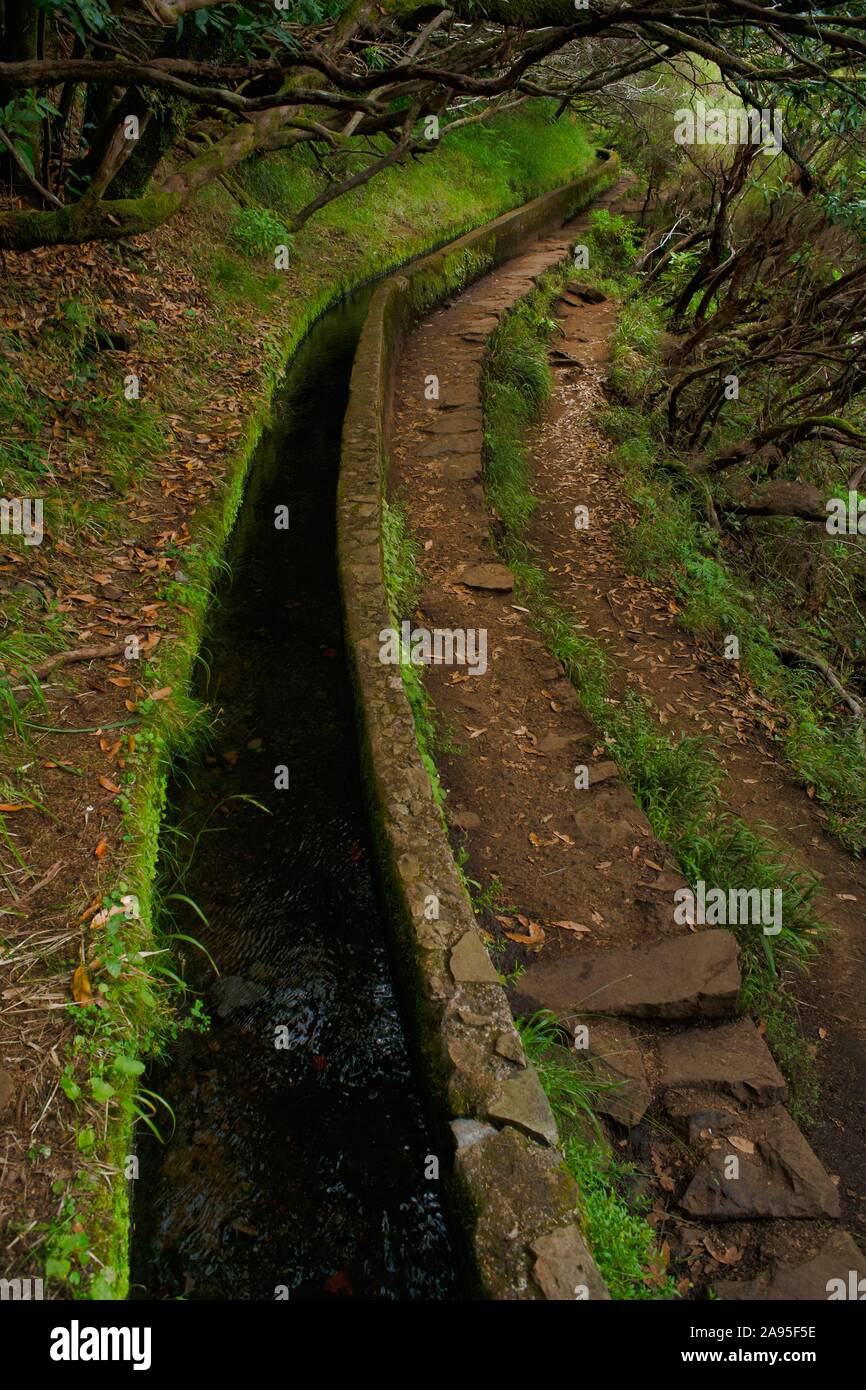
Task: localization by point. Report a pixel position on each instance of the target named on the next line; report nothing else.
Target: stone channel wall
(518, 1207)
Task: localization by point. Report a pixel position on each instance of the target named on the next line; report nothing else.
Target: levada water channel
(296, 1164)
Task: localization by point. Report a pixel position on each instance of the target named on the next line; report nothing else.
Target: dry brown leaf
(740, 1142)
(573, 926)
(534, 936)
(82, 992)
(109, 786)
(101, 849)
(729, 1256)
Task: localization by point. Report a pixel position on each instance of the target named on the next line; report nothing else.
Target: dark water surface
(300, 1167)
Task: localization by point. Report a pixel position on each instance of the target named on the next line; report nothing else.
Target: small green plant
(258, 232)
(623, 1244)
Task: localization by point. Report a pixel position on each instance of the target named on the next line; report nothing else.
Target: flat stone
(523, 1104)
(615, 1059)
(468, 1131)
(497, 578)
(462, 470)
(519, 1191)
(7, 1090)
(732, 1058)
(509, 1046)
(587, 293)
(460, 394)
(556, 743)
(471, 442)
(464, 819)
(564, 1269)
(602, 772)
(695, 976)
(455, 422)
(782, 1178)
(826, 1276)
(470, 963)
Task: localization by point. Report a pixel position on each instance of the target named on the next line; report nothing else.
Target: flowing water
(295, 1170)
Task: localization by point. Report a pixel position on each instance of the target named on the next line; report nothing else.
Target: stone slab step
(836, 1272)
(616, 1061)
(694, 976)
(758, 1164)
(732, 1058)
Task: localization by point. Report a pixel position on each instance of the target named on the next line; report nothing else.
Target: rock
(602, 772)
(470, 963)
(695, 976)
(236, 992)
(471, 442)
(469, 1131)
(555, 743)
(456, 422)
(463, 470)
(509, 1046)
(815, 1279)
(732, 1058)
(587, 293)
(781, 1178)
(614, 1056)
(522, 1103)
(7, 1090)
(518, 1191)
(564, 1269)
(463, 819)
(497, 578)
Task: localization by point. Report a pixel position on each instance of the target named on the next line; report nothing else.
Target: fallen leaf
(109, 786)
(729, 1256)
(101, 849)
(534, 936)
(573, 926)
(82, 992)
(740, 1142)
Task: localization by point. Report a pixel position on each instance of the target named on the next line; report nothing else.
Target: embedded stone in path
(471, 442)
(732, 1058)
(695, 976)
(463, 470)
(456, 422)
(588, 294)
(497, 578)
(760, 1166)
(616, 1061)
(835, 1273)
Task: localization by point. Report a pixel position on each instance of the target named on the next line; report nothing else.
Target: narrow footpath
(699, 1086)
